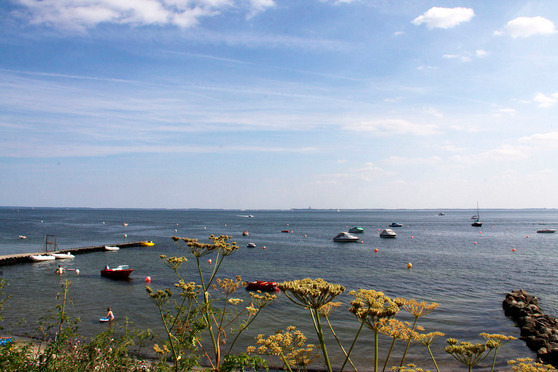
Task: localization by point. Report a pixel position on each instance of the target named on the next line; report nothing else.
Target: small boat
(477, 222)
(119, 272)
(42, 257)
(356, 230)
(124, 224)
(284, 231)
(245, 233)
(22, 237)
(251, 245)
(260, 285)
(441, 214)
(147, 243)
(546, 231)
(345, 237)
(63, 256)
(395, 224)
(111, 248)
(388, 233)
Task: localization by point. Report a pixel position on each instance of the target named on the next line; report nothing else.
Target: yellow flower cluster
(228, 285)
(466, 352)
(371, 306)
(529, 365)
(496, 340)
(397, 329)
(419, 309)
(289, 345)
(409, 368)
(189, 290)
(311, 293)
(218, 243)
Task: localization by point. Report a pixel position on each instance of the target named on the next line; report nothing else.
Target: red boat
(120, 272)
(260, 285)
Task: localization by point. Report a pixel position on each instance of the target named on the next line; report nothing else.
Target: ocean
(467, 270)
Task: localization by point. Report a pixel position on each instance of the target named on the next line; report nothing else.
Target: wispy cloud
(438, 17)
(86, 14)
(544, 100)
(546, 140)
(390, 127)
(522, 27)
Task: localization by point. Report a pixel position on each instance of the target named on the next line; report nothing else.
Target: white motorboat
(111, 248)
(388, 233)
(42, 257)
(345, 237)
(63, 256)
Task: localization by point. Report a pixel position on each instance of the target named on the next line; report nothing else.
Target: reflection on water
(466, 270)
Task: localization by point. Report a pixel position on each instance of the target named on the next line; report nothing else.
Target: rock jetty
(539, 331)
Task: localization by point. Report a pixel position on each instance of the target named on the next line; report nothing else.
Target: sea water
(466, 270)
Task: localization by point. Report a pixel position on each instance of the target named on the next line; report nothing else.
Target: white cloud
(506, 152)
(505, 112)
(481, 53)
(399, 160)
(549, 139)
(437, 17)
(388, 127)
(527, 26)
(85, 14)
(545, 101)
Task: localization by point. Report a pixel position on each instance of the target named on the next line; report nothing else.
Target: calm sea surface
(467, 270)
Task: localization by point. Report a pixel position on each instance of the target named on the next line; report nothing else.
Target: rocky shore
(539, 331)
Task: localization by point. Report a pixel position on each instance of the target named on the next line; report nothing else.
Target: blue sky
(279, 104)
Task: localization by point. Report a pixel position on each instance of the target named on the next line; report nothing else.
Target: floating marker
(77, 271)
(513, 250)
(376, 250)
(209, 261)
(148, 279)
(362, 242)
(527, 236)
(409, 265)
(412, 237)
(264, 247)
(475, 243)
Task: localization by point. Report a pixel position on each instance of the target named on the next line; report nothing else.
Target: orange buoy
(148, 279)
(513, 249)
(264, 247)
(376, 250)
(475, 243)
(412, 237)
(409, 265)
(527, 236)
(209, 261)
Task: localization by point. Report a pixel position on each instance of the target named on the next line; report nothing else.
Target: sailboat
(477, 222)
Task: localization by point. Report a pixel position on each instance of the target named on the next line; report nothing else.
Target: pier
(17, 258)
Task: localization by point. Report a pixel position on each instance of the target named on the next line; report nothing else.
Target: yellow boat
(148, 243)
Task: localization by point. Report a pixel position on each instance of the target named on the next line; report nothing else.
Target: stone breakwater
(539, 331)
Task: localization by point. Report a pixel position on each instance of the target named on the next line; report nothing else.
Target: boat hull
(388, 234)
(41, 258)
(260, 285)
(116, 274)
(63, 256)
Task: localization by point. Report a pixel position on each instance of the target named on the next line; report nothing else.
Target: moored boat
(119, 272)
(251, 245)
(388, 233)
(261, 285)
(395, 224)
(356, 230)
(345, 237)
(111, 248)
(63, 256)
(147, 243)
(42, 257)
(245, 233)
(546, 231)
